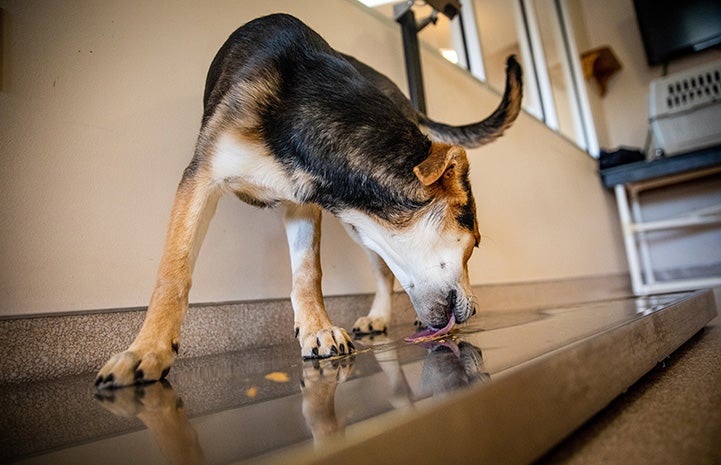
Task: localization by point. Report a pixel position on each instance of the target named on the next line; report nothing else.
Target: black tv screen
(674, 28)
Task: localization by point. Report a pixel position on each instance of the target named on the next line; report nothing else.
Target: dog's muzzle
(460, 307)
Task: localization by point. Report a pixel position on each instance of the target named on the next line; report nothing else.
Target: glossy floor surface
(507, 385)
(671, 416)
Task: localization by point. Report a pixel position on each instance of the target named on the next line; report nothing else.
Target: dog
(289, 121)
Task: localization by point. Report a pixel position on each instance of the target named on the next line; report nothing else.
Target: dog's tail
(482, 132)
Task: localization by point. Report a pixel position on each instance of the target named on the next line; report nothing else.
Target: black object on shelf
(620, 156)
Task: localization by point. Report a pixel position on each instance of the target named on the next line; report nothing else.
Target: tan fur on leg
(152, 353)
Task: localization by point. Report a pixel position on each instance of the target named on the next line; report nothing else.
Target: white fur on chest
(248, 168)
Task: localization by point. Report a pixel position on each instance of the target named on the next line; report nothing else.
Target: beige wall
(99, 111)
(621, 119)
(623, 112)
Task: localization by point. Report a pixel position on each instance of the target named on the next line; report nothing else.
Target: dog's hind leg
(316, 334)
(149, 357)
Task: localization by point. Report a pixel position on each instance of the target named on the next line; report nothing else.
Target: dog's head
(428, 250)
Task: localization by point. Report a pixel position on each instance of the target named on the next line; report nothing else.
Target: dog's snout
(444, 316)
(436, 310)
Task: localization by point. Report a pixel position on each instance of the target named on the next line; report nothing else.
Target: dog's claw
(328, 342)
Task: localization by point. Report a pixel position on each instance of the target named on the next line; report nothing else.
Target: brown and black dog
(288, 120)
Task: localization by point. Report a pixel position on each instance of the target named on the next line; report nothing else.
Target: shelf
(644, 170)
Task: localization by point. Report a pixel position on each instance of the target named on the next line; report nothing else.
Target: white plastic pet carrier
(685, 109)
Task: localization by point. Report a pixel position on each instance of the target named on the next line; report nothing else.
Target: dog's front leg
(316, 334)
(149, 357)
(379, 317)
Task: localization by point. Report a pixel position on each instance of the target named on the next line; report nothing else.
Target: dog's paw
(135, 367)
(370, 325)
(328, 342)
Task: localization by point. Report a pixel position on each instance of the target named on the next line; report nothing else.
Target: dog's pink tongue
(431, 333)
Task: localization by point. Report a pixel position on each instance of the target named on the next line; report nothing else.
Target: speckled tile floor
(503, 389)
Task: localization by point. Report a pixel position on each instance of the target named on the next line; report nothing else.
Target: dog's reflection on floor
(161, 411)
(449, 365)
(318, 384)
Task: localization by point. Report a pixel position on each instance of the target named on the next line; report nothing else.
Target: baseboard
(50, 346)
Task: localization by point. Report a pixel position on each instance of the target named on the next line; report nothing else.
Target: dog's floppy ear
(440, 158)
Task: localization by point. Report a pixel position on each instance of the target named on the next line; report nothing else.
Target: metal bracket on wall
(409, 30)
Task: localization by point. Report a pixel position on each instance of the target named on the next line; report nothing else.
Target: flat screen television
(675, 28)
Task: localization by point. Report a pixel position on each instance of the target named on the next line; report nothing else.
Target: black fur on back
(321, 116)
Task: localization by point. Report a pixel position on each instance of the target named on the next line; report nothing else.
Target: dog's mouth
(455, 310)
(447, 310)
(432, 333)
